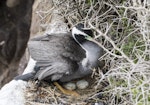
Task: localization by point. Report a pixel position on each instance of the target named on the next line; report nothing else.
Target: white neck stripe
(76, 31)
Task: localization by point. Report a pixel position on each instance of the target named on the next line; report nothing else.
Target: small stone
(82, 84)
(70, 86)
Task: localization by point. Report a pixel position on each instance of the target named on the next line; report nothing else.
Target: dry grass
(122, 28)
(49, 94)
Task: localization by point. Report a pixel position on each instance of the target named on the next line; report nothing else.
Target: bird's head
(92, 50)
(80, 33)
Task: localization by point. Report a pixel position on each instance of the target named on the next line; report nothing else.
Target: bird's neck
(93, 53)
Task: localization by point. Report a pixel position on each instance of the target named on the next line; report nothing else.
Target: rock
(82, 84)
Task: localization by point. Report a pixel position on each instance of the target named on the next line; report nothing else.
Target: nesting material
(70, 86)
(82, 84)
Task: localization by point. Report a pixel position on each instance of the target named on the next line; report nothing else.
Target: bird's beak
(88, 37)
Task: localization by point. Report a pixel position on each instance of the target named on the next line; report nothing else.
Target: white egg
(70, 86)
(82, 84)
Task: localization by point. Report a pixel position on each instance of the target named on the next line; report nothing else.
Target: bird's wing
(46, 37)
(25, 77)
(74, 51)
(56, 56)
(55, 44)
(49, 37)
(54, 70)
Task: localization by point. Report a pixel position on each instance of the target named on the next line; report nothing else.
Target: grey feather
(56, 56)
(25, 77)
(62, 57)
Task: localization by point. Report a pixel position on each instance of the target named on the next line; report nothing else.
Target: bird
(63, 56)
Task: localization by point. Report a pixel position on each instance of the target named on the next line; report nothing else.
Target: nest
(47, 93)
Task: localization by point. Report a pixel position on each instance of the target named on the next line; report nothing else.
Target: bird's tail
(25, 77)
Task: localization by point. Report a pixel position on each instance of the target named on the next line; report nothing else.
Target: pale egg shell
(82, 84)
(70, 86)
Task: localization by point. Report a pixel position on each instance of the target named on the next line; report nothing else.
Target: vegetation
(122, 28)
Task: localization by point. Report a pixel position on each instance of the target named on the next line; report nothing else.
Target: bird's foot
(65, 91)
